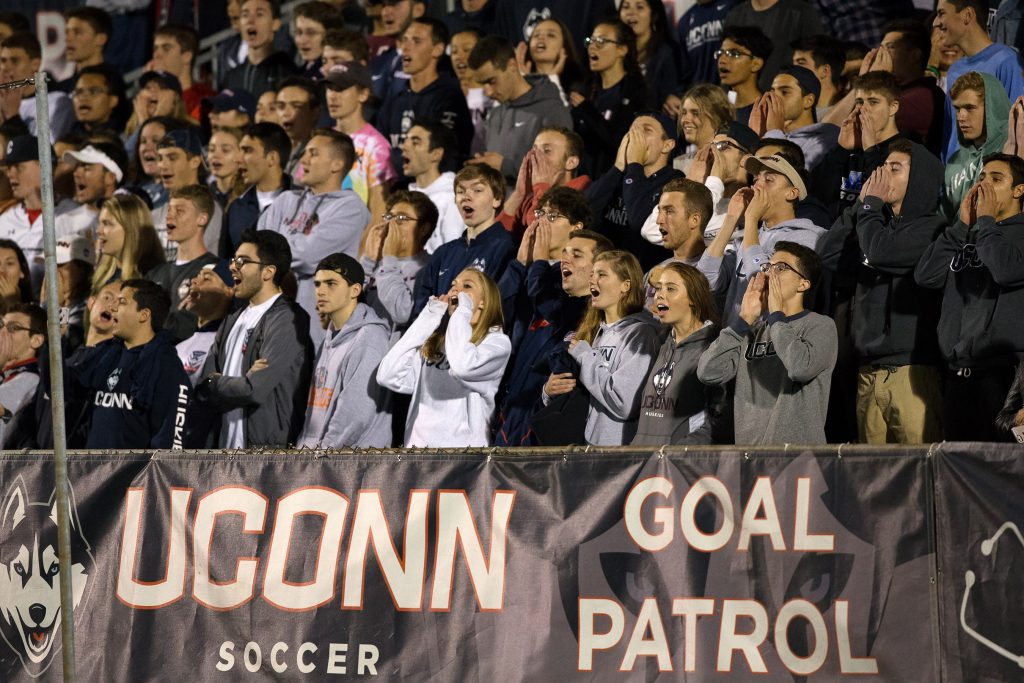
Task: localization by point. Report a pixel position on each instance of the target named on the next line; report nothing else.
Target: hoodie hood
(542, 90)
(924, 183)
(997, 111)
(362, 317)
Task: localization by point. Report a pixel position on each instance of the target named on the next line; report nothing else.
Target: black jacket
(242, 214)
(893, 319)
(981, 272)
(274, 399)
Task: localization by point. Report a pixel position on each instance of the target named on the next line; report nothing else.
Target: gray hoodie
(783, 371)
(675, 407)
(389, 288)
(613, 370)
(729, 275)
(346, 407)
(511, 127)
(315, 225)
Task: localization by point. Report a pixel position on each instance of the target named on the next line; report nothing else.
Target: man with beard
(256, 377)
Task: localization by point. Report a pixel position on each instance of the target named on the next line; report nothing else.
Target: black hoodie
(981, 272)
(893, 319)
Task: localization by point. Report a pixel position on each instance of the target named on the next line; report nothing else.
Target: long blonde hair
(626, 268)
(141, 251)
(490, 316)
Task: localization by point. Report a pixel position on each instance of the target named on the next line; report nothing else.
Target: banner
(703, 566)
(979, 510)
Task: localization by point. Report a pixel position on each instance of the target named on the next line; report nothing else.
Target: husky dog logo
(663, 377)
(970, 578)
(29, 575)
(113, 379)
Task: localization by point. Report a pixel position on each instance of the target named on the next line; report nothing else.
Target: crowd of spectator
(523, 222)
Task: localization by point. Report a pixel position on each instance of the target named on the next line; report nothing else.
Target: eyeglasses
(550, 215)
(722, 145)
(599, 41)
(14, 328)
(89, 92)
(731, 54)
(240, 262)
(780, 268)
(398, 217)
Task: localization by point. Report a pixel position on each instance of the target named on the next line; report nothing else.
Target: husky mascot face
(30, 575)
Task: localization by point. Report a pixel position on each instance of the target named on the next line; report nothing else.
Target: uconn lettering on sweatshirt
(760, 349)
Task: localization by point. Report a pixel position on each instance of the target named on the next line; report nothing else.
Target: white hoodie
(452, 400)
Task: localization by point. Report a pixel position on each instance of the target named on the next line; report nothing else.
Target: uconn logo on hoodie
(111, 398)
(965, 257)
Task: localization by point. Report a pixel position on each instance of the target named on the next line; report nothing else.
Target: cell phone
(1018, 433)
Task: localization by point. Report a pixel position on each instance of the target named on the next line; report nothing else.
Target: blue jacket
(490, 252)
(242, 214)
(555, 314)
(442, 101)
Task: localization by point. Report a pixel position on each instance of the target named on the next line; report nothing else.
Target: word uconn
(191, 530)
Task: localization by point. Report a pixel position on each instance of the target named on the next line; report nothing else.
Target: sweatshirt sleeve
(400, 368)
(511, 286)
(933, 268)
(286, 351)
(1003, 257)
(338, 230)
(617, 385)
(892, 247)
(423, 288)
(395, 290)
(834, 243)
(171, 387)
(637, 196)
(602, 190)
(717, 269)
(721, 360)
(477, 367)
(359, 398)
(806, 350)
(650, 230)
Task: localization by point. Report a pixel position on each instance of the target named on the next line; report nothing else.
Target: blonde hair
(490, 316)
(713, 104)
(141, 251)
(626, 268)
(238, 185)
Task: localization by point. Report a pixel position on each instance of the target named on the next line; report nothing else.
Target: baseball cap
(22, 148)
(234, 100)
(185, 138)
(166, 79)
(777, 164)
(345, 266)
(742, 135)
(668, 124)
(91, 155)
(75, 248)
(809, 83)
(347, 74)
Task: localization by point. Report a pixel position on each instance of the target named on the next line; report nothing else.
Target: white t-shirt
(265, 199)
(232, 432)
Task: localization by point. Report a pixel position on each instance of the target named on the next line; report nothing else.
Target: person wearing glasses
(22, 334)
(699, 33)
(255, 380)
(783, 21)
(99, 101)
(310, 23)
(741, 59)
(394, 255)
(872, 250)
(780, 354)
(767, 213)
(604, 107)
(320, 219)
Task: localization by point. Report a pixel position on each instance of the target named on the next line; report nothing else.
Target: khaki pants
(899, 404)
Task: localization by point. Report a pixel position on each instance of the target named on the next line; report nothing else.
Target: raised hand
(987, 203)
(758, 121)
(700, 167)
(775, 118)
(739, 203)
(523, 58)
(525, 253)
(560, 383)
(542, 241)
(753, 303)
(969, 207)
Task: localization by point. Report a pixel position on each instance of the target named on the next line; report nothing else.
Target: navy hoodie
(490, 252)
(893, 319)
(515, 21)
(981, 272)
(442, 100)
(555, 314)
(139, 396)
(624, 201)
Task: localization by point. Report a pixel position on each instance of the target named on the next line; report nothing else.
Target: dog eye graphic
(54, 569)
(19, 569)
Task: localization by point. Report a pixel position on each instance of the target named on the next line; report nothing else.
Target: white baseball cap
(76, 248)
(91, 155)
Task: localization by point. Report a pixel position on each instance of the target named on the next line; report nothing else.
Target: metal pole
(60, 462)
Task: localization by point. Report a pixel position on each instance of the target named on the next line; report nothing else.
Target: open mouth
(659, 309)
(467, 211)
(107, 317)
(170, 227)
(216, 165)
(251, 34)
(593, 58)
(566, 273)
(37, 638)
(236, 279)
(406, 60)
(594, 292)
(664, 234)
